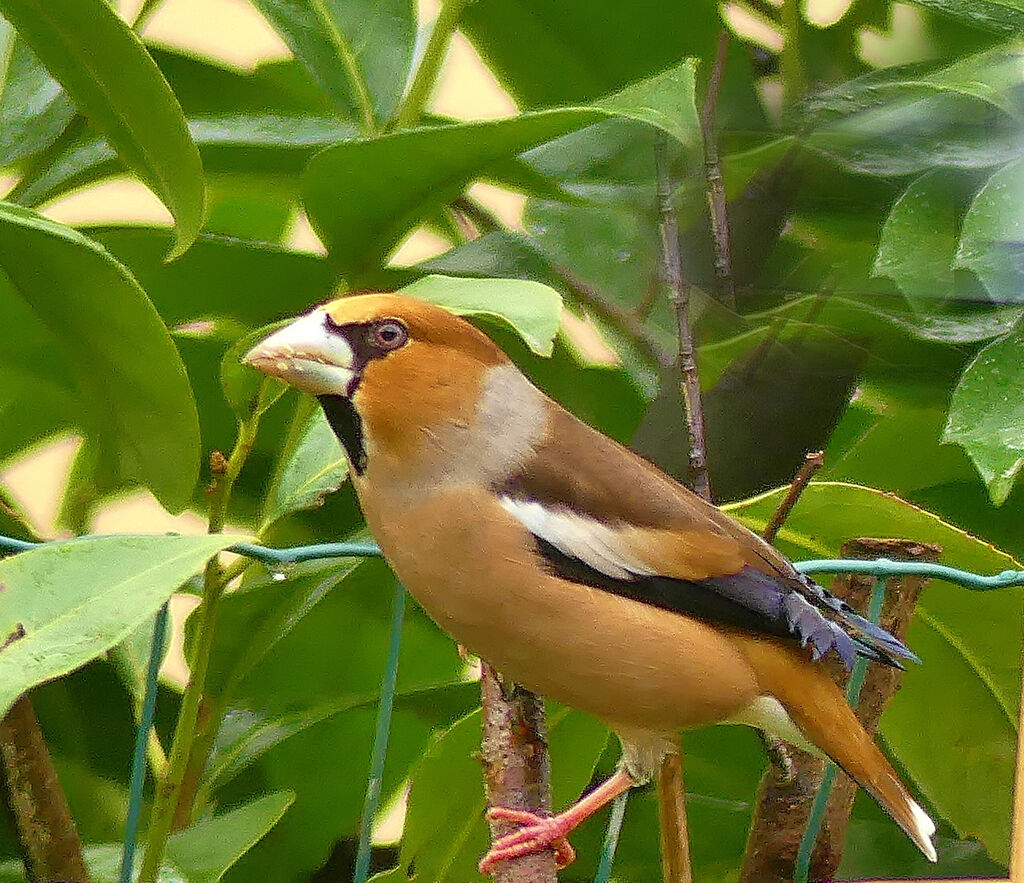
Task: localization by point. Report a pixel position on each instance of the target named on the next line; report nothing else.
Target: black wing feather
(750, 600)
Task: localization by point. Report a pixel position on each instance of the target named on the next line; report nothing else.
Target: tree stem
(426, 74)
(46, 831)
(517, 771)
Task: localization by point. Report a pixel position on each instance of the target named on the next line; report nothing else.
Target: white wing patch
(586, 539)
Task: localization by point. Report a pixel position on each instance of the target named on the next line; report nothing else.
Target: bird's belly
(633, 665)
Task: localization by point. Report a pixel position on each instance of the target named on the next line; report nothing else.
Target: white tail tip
(925, 829)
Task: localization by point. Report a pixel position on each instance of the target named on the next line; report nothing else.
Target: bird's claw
(537, 833)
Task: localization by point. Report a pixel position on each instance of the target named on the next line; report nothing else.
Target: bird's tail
(821, 713)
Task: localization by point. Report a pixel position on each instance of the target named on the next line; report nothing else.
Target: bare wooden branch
(47, 836)
(680, 288)
(725, 286)
(783, 806)
(517, 771)
(812, 463)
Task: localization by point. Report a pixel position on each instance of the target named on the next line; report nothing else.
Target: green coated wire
(853, 688)
(380, 738)
(878, 567)
(611, 839)
(138, 780)
(883, 567)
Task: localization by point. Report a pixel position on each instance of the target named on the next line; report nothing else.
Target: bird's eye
(389, 334)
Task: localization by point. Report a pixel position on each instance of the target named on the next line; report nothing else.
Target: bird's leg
(550, 832)
(779, 755)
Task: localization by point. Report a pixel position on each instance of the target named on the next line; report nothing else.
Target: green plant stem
(215, 578)
(791, 62)
(426, 74)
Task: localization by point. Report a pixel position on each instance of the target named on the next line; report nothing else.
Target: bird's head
(386, 368)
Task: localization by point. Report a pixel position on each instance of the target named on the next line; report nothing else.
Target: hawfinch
(572, 565)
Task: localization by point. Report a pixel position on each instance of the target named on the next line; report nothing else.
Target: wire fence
(881, 568)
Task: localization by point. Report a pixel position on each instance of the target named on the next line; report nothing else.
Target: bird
(571, 564)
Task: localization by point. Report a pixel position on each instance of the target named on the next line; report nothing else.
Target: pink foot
(538, 833)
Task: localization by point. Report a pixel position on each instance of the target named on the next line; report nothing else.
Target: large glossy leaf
(205, 851)
(62, 605)
(113, 80)
(256, 618)
(993, 15)
(970, 644)
(256, 143)
(533, 310)
(364, 195)
(33, 108)
(986, 414)
(359, 53)
(312, 465)
(202, 853)
(246, 282)
(918, 241)
(83, 314)
(992, 243)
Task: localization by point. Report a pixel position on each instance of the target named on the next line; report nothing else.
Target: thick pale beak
(307, 355)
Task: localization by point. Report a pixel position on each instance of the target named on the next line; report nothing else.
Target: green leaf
(578, 50)
(992, 15)
(254, 618)
(202, 853)
(271, 145)
(248, 282)
(34, 110)
(666, 101)
(993, 233)
(247, 735)
(360, 221)
(986, 414)
(918, 241)
(533, 310)
(112, 79)
(205, 851)
(247, 390)
(80, 308)
(74, 600)
(312, 465)
(970, 644)
(358, 52)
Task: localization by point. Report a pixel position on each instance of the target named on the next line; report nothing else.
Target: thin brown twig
(812, 463)
(725, 286)
(680, 287)
(675, 851)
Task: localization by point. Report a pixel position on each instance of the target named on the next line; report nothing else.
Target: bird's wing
(615, 522)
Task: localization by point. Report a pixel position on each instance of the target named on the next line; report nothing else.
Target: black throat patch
(348, 426)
